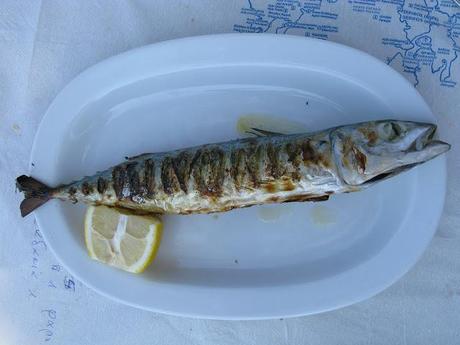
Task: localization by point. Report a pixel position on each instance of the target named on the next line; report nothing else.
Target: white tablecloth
(44, 44)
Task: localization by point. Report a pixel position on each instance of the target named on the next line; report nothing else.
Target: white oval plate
(312, 257)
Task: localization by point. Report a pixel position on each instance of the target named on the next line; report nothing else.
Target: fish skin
(267, 169)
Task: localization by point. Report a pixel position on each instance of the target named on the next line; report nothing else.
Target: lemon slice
(124, 241)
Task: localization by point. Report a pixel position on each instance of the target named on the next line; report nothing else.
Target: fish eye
(396, 128)
(391, 131)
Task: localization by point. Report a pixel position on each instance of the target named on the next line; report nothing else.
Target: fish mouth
(382, 149)
(418, 146)
(425, 138)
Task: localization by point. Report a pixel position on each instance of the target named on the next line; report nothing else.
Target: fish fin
(35, 193)
(30, 204)
(137, 156)
(262, 132)
(319, 198)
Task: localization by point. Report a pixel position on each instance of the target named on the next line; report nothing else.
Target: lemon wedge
(124, 241)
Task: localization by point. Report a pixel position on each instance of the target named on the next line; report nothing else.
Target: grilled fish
(270, 168)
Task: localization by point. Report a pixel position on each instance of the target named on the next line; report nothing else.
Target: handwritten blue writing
(37, 245)
(39, 242)
(47, 331)
(69, 284)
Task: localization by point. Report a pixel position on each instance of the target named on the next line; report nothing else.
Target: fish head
(371, 151)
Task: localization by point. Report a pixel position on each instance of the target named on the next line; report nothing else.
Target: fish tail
(35, 193)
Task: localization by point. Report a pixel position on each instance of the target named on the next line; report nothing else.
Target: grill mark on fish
(181, 164)
(273, 167)
(252, 159)
(168, 177)
(101, 185)
(71, 192)
(217, 170)
(294, 152)
(149, 177)
(324, 153)
(86, 188)
(133, 179)
(237, 162)
(199, 161)
(195, 159)
(208, 170)
(313, 155)
(119, 179)
(308, 153)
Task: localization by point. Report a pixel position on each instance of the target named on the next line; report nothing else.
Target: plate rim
(255, 316)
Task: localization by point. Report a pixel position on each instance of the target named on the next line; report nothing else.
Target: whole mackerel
(271, 168)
